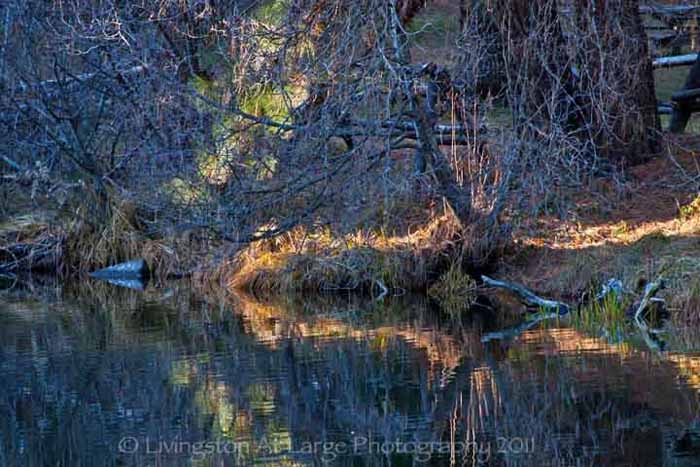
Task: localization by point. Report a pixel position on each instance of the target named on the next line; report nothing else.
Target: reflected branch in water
(517, 330)
(649, 298)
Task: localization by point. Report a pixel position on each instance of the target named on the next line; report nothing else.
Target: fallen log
(39, 254)
(684, 105)
(674, 61)
(10, 162)
(553, 309)
(649, 297)
(134, 284)
(515, 331)
(662, 109)
(613, 286)
(648, 300)
(668, 10)
(685, 95)
(528, 297)
(130, 270)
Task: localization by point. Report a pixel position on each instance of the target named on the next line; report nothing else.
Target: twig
(11, 163)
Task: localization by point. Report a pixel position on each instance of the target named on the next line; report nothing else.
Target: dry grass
(649, 232)
(30, 241)
(88, 247)
(455, 291)
(51, 241)
(364, 260)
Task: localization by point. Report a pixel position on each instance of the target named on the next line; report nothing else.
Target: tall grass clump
(455, 290)
(607, 316)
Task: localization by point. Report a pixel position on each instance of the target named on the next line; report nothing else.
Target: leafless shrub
(226, 118)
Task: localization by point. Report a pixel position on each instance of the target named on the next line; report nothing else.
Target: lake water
(97, 375)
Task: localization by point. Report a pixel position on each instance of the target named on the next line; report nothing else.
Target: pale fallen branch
(612, 286)
(685, 95)
(10, 162)
(383, 288)
(650, 291)
(648, 334)
(528, 297)
(674, 61)
(555, 309)
(668, 10)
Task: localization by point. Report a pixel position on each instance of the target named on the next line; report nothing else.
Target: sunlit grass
(607, 316)
(361, 260)
(455, 290)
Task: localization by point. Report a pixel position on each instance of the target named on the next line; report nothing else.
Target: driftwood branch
(383, 290)
(554, 309)
(650, 292)
(613, 286)
(650, 338)
(10, 162)
(528, 297)
(668, 10)
(684, 99)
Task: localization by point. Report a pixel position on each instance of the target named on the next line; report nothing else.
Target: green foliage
(272, 12)
(205, 87)
(690, 210)
(270, 101)
(607, 316)
(454, 290)
(434, 21)
(183, 192)
(233, 144)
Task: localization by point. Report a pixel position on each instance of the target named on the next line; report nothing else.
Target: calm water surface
(97, 375)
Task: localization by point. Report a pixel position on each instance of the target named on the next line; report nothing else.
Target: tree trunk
(458, 198)
(644, 92)
(603, 93)
(481, 64)
(618, 69)
(536, 59)
(408, 9)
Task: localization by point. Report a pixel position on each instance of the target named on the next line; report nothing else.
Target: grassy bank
(637, 226)
(368, 261)
(645, 228)
(649, 231)
(70, 242)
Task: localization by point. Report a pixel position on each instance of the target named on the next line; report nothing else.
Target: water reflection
(102, 376)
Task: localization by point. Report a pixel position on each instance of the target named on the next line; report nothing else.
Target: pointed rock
(134, 269)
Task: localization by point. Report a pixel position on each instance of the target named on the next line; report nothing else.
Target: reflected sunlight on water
(103, 376)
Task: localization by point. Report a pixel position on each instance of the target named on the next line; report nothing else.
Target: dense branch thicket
(579, 82)
(244, 119)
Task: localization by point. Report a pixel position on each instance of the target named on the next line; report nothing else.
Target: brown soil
(646, 227)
